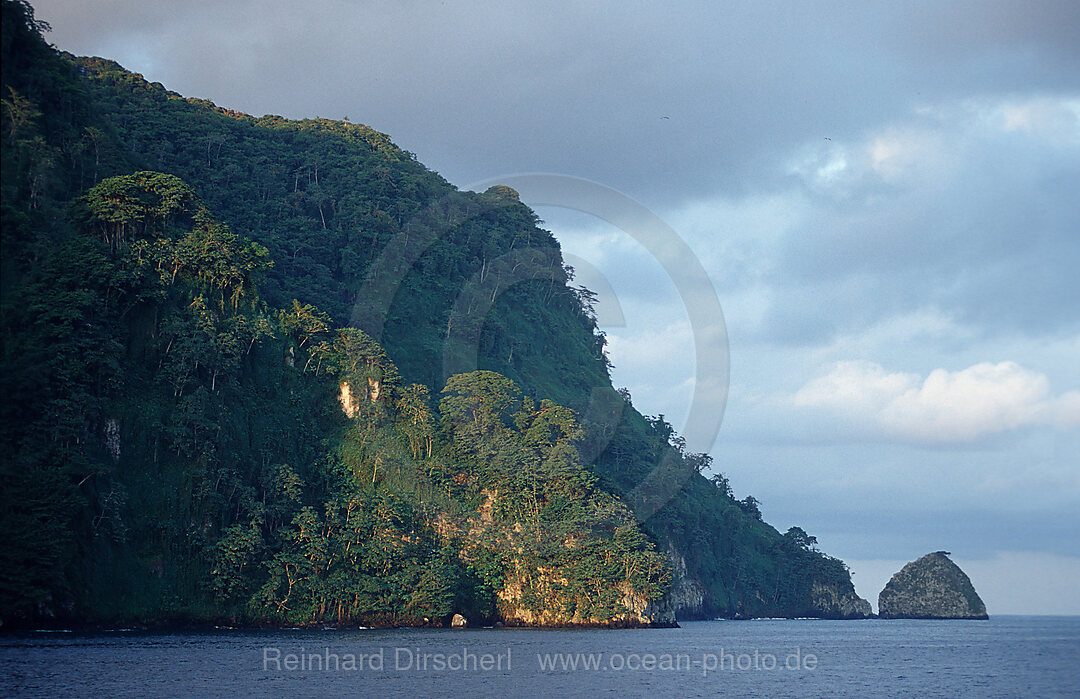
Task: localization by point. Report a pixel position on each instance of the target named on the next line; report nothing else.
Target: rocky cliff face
(549, 607)
(685, 598)
(834, 602)
(541, 596)
(932, 587)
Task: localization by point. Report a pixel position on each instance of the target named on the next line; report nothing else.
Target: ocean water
(1004, 657)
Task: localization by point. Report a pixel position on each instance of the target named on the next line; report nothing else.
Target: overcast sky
(884, 196)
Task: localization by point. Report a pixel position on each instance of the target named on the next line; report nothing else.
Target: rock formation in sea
(932, 587)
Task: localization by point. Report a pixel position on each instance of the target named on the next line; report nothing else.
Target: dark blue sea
(1004, 657)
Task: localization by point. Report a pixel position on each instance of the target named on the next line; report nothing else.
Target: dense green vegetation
(277, 371)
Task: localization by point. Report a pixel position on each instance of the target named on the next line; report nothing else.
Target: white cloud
(945, 407)
(821, 165)
(892, 153)
(854, 385)
(963, 405)
(1056, 119)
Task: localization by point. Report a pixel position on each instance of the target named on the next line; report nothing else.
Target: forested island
(230, 366)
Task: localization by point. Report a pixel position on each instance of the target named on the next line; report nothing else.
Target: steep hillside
(196, 432)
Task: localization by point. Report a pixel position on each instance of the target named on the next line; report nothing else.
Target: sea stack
(933, 587)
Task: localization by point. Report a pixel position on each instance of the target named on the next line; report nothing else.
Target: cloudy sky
(882, 194)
